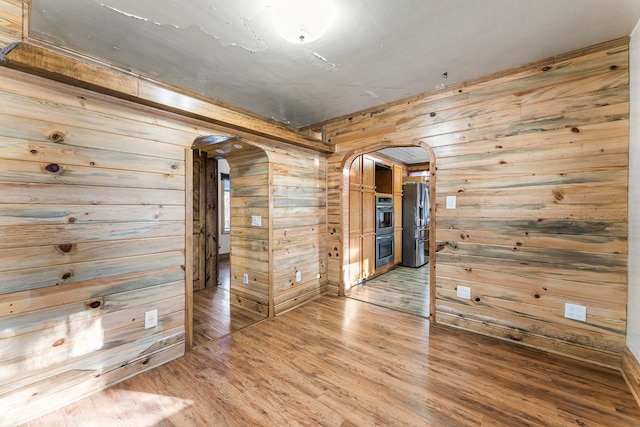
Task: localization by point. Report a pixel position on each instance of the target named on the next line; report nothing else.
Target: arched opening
(417, 294)
(229, 292)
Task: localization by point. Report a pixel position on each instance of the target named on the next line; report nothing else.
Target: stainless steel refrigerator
(415, 223)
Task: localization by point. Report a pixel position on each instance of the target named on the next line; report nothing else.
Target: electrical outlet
(151, 319)
(256, 221)
(575, 312)
(463, 292)
(451, 202)
(298, 276)
(246, 279)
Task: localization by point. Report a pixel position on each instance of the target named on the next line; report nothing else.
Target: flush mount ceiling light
(302, 21)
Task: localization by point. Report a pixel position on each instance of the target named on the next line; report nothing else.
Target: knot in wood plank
(57, 137)
(53, 167)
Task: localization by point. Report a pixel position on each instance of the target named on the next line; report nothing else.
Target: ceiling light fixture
(302, 21)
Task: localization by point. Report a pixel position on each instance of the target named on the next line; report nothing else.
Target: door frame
(345, 167)
(208, 262)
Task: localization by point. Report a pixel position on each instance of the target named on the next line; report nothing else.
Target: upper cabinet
(384, 178)
(368, 172)
(397, 179)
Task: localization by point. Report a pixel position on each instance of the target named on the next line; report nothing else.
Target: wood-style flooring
(342, 362)
(213, 315)
(403, 288)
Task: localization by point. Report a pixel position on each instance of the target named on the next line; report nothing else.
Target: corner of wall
(633, 272)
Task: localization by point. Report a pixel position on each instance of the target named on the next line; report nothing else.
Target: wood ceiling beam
(71, 68)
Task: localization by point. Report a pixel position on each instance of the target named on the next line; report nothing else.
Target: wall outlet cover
(451, 202)
(256, 221)
(298, 276)
(575, 312)
(151, 319)
(463, 292)
(245, 279)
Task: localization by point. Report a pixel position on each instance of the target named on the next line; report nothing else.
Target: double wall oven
(384, 230)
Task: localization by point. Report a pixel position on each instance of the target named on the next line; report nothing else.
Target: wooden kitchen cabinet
(363, 188)
(398, 173)
(362, 229)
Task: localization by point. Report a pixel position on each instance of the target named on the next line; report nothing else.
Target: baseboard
(631, 373)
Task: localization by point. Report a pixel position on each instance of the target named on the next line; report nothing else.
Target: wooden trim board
(67, 67)
(188, 253)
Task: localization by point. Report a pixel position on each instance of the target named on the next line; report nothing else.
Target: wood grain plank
(42, 277)
(58, 194)
(49, 152)
(50, 255)
(27, 235)
(37, 214)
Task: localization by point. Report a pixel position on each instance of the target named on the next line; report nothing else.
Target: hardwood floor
(342, 362)
(214, 316)
(403, 288)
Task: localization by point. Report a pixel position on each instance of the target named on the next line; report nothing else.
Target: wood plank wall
(299, 218)
(10, 21)
(287, 189)
(249, 181)
(92, 235)
(538, 160)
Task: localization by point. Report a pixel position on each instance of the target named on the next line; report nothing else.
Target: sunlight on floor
(148, 410)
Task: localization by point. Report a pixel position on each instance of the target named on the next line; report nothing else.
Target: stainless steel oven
(384, 215)
(384, 230)
(384, 250)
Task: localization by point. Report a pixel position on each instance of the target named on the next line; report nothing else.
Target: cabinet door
(397, 179)
(397, 211)
(355, 266)
(397, 246)
(368, 211)
(368, 254)
(355, 210)
(368, 172)
(355, 172)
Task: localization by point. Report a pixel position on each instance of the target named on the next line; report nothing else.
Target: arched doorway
(222, 305)
(377, 281)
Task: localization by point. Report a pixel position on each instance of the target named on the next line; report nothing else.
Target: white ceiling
(375, 52)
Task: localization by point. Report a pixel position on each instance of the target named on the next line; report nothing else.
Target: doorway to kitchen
(401, 284)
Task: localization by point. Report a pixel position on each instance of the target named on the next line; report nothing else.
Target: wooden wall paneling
(11, 13)
(199, 215)
(77, 385)
(189, 250)
(537, 158)
(299, 210)
(95, 230)
(88, 73)
(337, 225)
(249, 178)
